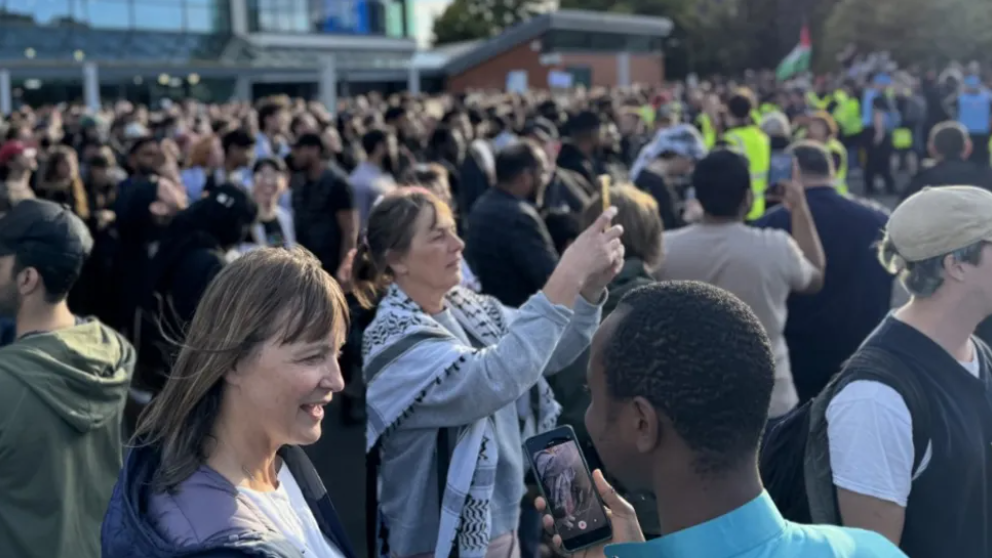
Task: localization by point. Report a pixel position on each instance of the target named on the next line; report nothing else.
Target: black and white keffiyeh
(406, 353)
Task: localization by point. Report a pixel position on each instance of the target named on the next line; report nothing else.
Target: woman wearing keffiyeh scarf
(441, 359)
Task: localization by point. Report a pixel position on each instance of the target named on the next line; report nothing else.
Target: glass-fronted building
(211, 49)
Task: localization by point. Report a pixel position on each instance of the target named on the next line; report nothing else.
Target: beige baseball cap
(938, 221)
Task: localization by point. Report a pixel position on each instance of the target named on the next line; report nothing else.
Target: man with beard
(324, 210)
(508, 245)
(63, 385)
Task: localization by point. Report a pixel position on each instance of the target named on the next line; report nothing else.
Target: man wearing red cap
(17, 162)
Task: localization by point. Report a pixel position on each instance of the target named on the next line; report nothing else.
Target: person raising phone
(667, 417)
(761, 266)
(450, 376)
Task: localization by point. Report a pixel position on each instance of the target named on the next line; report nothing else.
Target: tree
(467, 20)
(913, 31)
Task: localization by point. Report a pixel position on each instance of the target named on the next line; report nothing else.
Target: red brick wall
(647, 69)
(491, 74)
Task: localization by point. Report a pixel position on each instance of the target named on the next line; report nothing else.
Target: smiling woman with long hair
(216, 469)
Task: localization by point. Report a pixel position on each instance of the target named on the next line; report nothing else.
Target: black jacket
(509, 247)
(951, 173)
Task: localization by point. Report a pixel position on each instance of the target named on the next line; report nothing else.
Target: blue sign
(346, 16)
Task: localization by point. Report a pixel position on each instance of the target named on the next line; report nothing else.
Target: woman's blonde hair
(267, 294)
(637, 212)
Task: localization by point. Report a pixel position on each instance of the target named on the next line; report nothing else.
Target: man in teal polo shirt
(681, 375)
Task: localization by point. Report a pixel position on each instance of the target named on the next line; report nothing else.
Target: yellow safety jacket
(705, 125)
(815, 101)
(838, 148)
(754, 144)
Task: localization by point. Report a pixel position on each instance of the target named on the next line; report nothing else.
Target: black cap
(45, 232)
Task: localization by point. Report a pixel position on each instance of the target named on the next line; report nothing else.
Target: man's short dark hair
(949, 140)
(373, 139)
(583, 124)
(813, 159)
(740, 106)
(393, 113)
(236, 138)
(516, 160)
(716, 394)
(138, 143)
(58, 278)
(722, 180)
(267, 110)
(311, 139)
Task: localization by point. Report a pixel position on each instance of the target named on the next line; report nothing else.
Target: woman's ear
(396, 263)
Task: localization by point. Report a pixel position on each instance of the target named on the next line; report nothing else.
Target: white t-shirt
(287, 509)
(870, 431)
(760, 266)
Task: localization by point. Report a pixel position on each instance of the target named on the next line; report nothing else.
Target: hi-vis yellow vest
(754, 144)
(838, 148)
(705, 125)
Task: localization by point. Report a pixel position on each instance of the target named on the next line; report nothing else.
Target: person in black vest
(950, 146)
(916, 464)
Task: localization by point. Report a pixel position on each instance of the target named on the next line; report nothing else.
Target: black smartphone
(567, 486)
(779, 172)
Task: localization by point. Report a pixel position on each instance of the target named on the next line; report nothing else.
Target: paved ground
(340, 454)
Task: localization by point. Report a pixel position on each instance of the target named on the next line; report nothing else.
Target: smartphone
(567, 486)
(604, 188)
(779, 172)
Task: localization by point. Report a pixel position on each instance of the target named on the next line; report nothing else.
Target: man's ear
(645, 425)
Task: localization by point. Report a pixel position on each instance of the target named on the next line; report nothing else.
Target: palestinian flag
(797, 61)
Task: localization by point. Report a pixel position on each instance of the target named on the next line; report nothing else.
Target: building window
(194, 16)
(358, 17)
(575, 41)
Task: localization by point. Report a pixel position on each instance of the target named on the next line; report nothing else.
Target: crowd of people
(680, 274)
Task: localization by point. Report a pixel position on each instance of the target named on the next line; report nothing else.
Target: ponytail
(368, 277)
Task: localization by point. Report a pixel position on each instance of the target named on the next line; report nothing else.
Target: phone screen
(781, 169)
(569, 489)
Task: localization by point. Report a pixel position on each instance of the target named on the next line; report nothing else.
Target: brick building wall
(647, 69)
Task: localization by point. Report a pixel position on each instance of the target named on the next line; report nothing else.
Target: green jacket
(62, 397)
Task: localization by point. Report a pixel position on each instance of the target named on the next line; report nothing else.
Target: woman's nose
(333, 380)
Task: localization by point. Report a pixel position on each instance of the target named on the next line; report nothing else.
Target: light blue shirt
(975, 111)
(758, 530)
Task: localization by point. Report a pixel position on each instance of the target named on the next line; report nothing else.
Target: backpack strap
(375, 529)
(869, 363)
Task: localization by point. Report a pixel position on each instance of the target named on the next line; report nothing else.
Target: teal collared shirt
(758, 530)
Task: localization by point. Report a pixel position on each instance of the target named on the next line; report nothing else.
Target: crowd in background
(458, 265)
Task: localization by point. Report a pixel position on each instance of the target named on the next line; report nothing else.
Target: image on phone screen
(571, 494)
(780, 169)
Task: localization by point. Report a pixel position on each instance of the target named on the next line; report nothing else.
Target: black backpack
(794, 457)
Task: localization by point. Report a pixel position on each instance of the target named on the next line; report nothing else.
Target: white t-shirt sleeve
(798, 270)
(870, 431)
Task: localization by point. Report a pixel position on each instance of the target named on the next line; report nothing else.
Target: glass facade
(359, 17)
(188, 16)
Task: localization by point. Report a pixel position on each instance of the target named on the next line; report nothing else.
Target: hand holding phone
(574, 500)
(619, 512)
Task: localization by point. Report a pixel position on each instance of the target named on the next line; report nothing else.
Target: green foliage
(467, 20)
(914, 31)
(721, 36)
